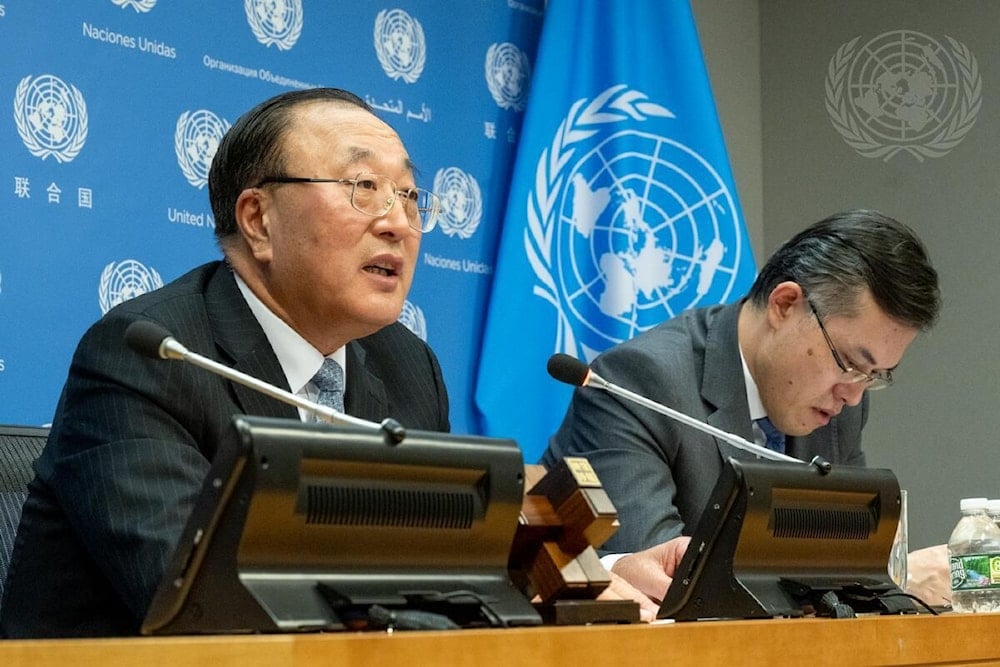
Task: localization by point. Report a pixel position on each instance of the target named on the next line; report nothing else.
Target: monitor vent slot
(366, 506)
(817, 524)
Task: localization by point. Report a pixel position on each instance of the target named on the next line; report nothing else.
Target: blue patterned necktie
(775, 438)
(330, 381)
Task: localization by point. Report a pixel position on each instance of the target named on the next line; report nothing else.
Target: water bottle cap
(967, 504)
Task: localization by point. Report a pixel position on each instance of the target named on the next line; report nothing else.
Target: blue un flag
(622, 210)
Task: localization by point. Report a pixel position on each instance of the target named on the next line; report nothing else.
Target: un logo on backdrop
(507, 75)
(124, 280)
(277, 22)
(461, 202)
(413, 319)
(626, 226)
(141, 6)
(196, 139)
(399, 45)
(51, 117)
(903, 91)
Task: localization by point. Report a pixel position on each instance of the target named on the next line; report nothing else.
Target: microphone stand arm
(734, 440)
(170, 348)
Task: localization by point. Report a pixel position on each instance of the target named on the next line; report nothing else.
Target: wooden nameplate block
(565, 516)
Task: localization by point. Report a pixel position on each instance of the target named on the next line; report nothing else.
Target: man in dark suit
(828, 318)
(320, 223)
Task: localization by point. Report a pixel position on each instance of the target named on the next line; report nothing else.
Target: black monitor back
(774, 537)
(301, 524)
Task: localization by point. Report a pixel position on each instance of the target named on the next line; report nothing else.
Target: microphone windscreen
(145, 337)
(568, 369)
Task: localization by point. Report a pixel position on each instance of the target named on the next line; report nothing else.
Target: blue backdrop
(113, 110)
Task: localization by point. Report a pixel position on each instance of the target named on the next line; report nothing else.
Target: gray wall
(935, 427)
(729, 31)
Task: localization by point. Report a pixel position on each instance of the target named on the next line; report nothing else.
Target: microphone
(152, 340)
(572, 371)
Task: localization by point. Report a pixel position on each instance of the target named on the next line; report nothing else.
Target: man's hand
(652, 570)
(622, 590)
(929, 575)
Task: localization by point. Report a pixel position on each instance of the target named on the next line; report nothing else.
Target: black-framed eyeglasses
(373, 194)
(873, 381)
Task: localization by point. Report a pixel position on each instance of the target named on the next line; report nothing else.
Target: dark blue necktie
(775, 438)
(330, 381)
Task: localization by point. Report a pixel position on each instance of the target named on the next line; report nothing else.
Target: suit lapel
(239, 336)
(364, 395)
(722, 385)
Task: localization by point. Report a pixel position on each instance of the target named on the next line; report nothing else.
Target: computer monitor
(304, 527)
(776, 537)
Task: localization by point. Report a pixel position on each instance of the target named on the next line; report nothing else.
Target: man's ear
(784, 301)
(252, 219)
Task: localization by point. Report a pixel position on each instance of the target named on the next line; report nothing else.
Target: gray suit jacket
(659, 473)
(132, 442)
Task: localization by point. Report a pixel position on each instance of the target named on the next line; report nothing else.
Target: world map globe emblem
(195, 141)
(51, 117)
(461, 202)
(904, 85)
(903, 91)
(399, 45)
(507, 72)
(412, 317)
(277, 22)
(125, 280)
(646, 229)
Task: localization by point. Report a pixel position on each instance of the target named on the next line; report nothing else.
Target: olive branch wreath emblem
(585, 118)
(285, 42)
(79, 138)
(861, 140)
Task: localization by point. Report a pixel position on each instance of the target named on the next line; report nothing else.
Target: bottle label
(975, 572)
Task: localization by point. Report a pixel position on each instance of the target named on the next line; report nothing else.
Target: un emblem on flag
(903, 91)
(51, 117)
(630, 228)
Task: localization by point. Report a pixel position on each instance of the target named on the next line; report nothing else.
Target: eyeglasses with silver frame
(375, 195)
(874, 381)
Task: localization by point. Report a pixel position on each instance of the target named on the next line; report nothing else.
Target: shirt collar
(753, 394)
(298, 359)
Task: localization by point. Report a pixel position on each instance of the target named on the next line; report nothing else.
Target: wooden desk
(889, 640)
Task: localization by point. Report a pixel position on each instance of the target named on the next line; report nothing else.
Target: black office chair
(19, 447)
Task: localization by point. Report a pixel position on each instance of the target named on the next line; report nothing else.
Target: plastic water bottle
(974, 555)
(993, 509)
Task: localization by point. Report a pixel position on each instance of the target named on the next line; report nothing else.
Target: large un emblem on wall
(636, 228)
(903, 91)
(51, 117)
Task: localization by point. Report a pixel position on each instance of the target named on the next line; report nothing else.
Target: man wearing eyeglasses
(320, 221)
(827, 320)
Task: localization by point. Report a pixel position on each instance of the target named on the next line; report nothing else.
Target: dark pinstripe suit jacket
(132, 441)
(659, 473)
